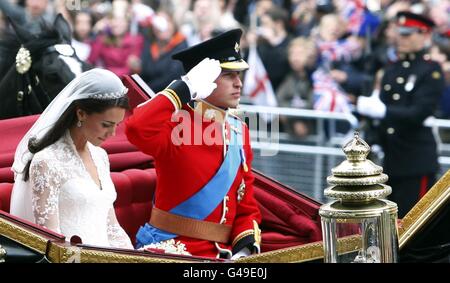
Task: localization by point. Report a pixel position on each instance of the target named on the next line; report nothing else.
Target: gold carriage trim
(303, 253)
(424, 210)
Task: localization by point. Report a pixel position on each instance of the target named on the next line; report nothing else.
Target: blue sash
(203, 203)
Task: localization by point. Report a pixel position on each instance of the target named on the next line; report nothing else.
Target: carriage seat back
(5, 196)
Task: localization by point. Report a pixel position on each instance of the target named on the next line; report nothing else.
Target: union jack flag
(345, 50)
(353, 11)
(328, 96)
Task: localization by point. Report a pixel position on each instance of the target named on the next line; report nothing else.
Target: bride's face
(98, 127)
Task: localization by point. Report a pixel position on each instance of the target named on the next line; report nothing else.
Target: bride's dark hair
(68, 119)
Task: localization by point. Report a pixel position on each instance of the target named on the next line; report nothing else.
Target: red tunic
(183, 169)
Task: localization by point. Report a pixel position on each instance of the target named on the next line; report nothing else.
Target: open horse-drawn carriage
(291, 228)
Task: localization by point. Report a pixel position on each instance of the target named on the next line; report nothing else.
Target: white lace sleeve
(45, 183)
(116, 235)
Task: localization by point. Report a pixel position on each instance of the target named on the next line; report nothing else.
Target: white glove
(371, 106)
(200, 79)
(242, 253)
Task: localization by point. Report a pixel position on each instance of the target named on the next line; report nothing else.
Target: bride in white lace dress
(62, 177)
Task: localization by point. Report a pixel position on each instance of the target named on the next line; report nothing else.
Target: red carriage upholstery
(5, 196)
(6, 175)
(135, 189)
(12, 131)
(289, 219)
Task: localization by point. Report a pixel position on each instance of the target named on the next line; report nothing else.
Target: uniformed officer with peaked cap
(409, 93)
(225, 48)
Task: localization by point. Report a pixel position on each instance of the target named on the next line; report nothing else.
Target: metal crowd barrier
(305, 163)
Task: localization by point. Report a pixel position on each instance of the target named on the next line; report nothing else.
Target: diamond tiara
(110, 95)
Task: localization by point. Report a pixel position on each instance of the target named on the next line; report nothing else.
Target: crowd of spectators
(306, 46)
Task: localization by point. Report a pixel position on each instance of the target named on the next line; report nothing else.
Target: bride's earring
(79, 124)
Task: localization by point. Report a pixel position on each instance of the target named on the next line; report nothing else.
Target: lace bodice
(67, 200)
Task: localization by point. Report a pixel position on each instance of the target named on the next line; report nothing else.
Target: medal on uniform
(241, 191)
(410, 83)
(243, 160)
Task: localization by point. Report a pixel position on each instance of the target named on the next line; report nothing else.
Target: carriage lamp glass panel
(362, 239)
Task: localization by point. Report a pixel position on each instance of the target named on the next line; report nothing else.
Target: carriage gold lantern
(358, 185)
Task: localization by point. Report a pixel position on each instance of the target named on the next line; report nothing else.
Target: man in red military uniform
(204, 203)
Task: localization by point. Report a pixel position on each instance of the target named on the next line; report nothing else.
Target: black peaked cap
(225, 47)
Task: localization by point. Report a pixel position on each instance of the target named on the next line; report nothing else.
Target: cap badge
(402, 20)
(236, 47)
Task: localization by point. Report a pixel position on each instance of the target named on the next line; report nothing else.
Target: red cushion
(6, 175)
(126, 160)
(123, 155)
(12, 132)
(5, 196)
(273, 241)
(118, 146)
(119, 142)
(135, 190)
(284, 217)
(288, 218)
(6, 159)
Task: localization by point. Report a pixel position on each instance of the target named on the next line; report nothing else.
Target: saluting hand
(200, 79)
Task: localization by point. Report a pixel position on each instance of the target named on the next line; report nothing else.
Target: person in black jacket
(409, 93)
(158, 68)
